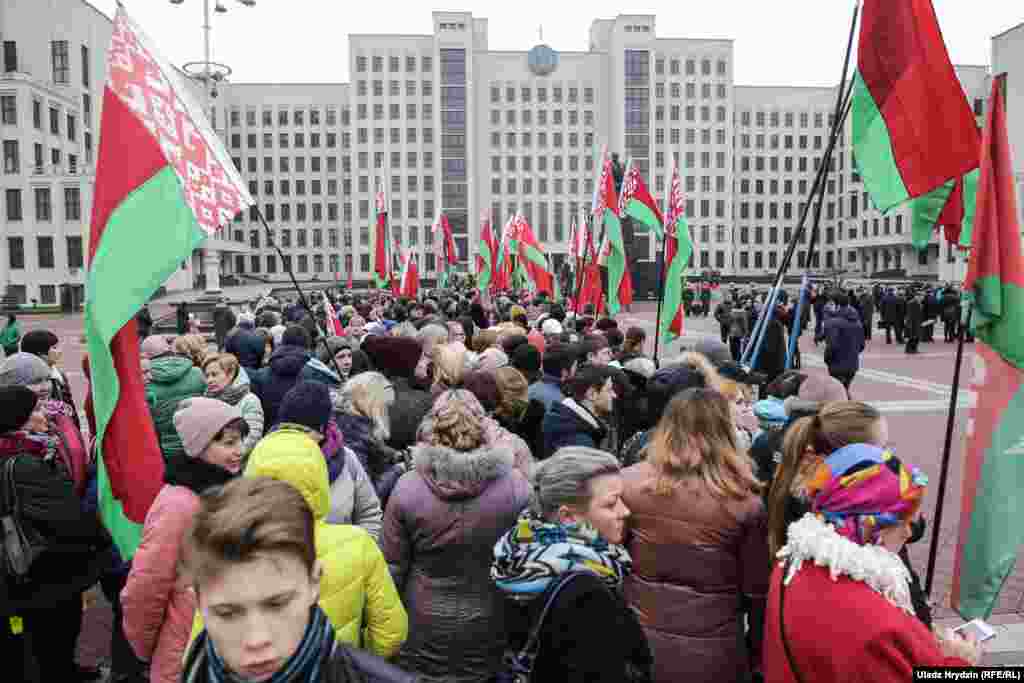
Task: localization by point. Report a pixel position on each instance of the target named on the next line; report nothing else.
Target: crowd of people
(460, 489)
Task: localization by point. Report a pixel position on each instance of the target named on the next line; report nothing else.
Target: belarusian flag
(447, 256)
(913, 130)
(487, 253)
(950, 207)
(382, 259)
(333, 323)
(409, 285)
(613, 252)
(990, 531)
(503, 268)
(636, 202)
(533, 260)
(164, 184)
(591, 289)
(677, 255)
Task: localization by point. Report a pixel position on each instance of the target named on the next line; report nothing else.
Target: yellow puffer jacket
(356, 583)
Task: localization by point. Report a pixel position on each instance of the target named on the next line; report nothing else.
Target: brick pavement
(913, 391)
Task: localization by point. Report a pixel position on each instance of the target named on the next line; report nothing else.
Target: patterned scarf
(231, 394)
(304, 666)
(28, 443)
(534, 552)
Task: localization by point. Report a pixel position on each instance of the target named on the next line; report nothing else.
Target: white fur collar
(883, 571)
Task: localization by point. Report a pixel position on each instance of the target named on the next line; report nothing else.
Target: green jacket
(171, 379)
(10, 335)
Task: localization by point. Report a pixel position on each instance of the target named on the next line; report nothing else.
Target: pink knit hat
(198, 420)
(155, 345)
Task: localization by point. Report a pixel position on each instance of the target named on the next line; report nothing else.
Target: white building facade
(443, 123)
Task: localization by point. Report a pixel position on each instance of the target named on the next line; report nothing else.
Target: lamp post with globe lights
(210, 74)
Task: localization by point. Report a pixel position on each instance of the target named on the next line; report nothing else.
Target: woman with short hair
(516, 411)
(46, 345)
(575, 527)
(228, 381)
(364, 422)
(699, 546)
(449, 361)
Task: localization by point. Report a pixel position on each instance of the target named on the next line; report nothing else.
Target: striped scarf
(306, 665)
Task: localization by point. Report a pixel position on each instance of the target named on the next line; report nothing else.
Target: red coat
(844, 631)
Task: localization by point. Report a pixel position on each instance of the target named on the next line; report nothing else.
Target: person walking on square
(739, 328)
(844, 342)
(915, 316)
(867, 313)
(10, 336)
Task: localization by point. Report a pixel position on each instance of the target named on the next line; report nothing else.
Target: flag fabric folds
(636, 201)
(990, 532)
(333, 322)
(677, 254)
(447, 256)
(613, 251)
(383, 268)
(532, 258)
(913, 130)
(164, 184)
(409, 284)
(487, 254)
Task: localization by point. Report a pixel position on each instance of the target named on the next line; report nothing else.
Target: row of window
(284, 141)
(362, 162)
(284, 187)
(60, 61)
(675, 65)
(513, 164)
(787, 119)
(557, 139)
(720, 90)
(284, 115)
(315, 212)
(12, 159)
(44, 252)
(526, 117)
(426, 88)
(394, 61)
(526, 94)
(43, 204)
(9, 116)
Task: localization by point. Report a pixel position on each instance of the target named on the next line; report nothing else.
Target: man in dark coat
(894, 312)
(867, 313)
(771, 360)
(272, 382)
(723, 314)
(223, 322)
(248, 347)
(579, 420)
(951, 314)
(144, 320)
(915, 316)
(844, 342)
(182, 318)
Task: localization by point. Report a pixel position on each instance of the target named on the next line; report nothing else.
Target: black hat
(526, 358)
(308, 404)
(16, 406)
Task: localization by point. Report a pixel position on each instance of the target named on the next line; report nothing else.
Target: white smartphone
(978, 628)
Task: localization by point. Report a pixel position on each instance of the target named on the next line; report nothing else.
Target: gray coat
(353, 498)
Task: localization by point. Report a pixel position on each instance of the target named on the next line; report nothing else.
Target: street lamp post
(210, 73)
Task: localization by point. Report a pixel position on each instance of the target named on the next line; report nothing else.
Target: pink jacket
(158, 608)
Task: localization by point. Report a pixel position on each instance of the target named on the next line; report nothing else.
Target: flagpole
(933, 550)
(295, 284)
(661, 293)
(843, 105)
(583, 268)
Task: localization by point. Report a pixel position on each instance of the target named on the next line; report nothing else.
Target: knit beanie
(23, 369)
(39, 342)
(393, 356)
(16, 406)
(526, 359)
(716, 352)
(155, 345)
(308, 404)
(198, 420)
(551, 327)
(821, 389)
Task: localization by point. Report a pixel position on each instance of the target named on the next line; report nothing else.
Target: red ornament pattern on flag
(138, 79)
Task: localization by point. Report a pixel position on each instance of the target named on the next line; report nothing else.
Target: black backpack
(22, 544)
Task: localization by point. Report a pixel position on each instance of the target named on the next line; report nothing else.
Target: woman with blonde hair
(194, 346)
(700, 557)
(449, 362)
(227, 381)
(365, 425)
(516, 412)
(439, 532)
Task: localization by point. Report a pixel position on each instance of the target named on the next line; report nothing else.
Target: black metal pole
(583, 268)
(662, 270)
(933, 550)
(295, 284)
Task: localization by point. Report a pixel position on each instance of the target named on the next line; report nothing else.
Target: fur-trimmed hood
(454, 475)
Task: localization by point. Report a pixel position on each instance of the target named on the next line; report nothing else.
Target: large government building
(443, 123)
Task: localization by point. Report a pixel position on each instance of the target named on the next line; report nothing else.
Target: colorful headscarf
(860, 489)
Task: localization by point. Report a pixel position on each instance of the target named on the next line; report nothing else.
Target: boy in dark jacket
(579, 420)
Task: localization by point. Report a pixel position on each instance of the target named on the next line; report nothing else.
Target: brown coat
(695, 557)
(440, 527)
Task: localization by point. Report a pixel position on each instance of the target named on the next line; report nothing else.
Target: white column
(211, 266)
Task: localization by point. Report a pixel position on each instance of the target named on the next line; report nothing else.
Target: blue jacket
(547, 390)
(568, 423)
(844, 341)
(271, 383)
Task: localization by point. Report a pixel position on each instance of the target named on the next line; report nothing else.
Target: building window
(10, 56)
(12, 164)
(54, 121)
(16, 249)
(75, 256)
(72, 204)
(59, 57)
(44, 248)
(8, 110)
(44, 209)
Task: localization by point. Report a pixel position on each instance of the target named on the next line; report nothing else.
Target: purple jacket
(440, 527)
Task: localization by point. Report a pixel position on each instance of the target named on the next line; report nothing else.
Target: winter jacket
(171, 379)
(771, 361)
(570, 424)
(61, 391)
(547, 390)
(356, 589)
(866, 638)
(248, 347)
(78, 546)
(158, 605)
(844, 341)
(406, 413)
(440, 528)
(240, 394)
(739, 323)
(528, 426)
(273, 382)
(894, 309)
(589, 636)
(10, 335)
(695, 559)
(867, 309)
(378, 460)
(915, 316)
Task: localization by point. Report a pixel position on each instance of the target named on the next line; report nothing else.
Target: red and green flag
(532, 258)
(409, 282)
(992, 500)
(677, 254)
(637, 203)
(447, 256)
(164, 184)
(486, 254)
(914, 134)
(613, 250)
(383, 266)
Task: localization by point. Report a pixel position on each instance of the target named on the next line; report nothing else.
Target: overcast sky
(783, 42)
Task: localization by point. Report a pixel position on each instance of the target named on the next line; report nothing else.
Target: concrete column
(211, 266)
